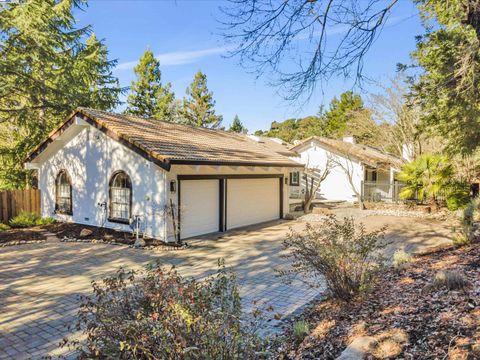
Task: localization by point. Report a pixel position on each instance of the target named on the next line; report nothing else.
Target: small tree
(426, 177)
(313, 181)
(237, 126)
(199, 106)
(344, 255)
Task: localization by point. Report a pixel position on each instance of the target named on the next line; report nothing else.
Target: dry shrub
(401, 259)
(158, 314)
(341, 253)
(450, 279)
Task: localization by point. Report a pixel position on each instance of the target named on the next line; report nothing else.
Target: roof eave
(233, 163)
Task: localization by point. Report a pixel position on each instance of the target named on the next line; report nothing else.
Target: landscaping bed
(21, 236)
(409, 317)
(70, 232)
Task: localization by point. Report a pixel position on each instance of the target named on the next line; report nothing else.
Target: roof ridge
(128, 116)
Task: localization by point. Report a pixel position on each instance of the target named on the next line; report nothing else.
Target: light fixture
(173, 186)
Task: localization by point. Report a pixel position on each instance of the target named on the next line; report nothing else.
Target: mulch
(409, 318)
(24, 235)
(70, 230)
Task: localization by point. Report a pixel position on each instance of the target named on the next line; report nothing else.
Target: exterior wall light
(173, 186)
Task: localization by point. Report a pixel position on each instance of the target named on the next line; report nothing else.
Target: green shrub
(158, 314)
(4, 227)
(27, 219)
(458, 196)
(340, 253)
(301, 329)
(401, 258)
(426, 178)
(469, 219)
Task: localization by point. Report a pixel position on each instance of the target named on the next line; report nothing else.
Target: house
(355, 170)
(104, 169)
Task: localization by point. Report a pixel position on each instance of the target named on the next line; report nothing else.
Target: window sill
(69, 213)
(119, 221)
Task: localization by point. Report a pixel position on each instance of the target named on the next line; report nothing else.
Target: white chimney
(349, 139)
(407, 152)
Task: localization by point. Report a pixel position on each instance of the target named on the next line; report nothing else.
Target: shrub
(158, 314)
(301, 329)
(401, 258)
(27, 219)
(469, 218)
(4, 227)
(342, 254)
(450, 279)
(426, 177)
(458, 196)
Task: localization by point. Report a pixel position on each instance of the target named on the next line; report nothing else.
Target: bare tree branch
(322, 38)
(313, 181)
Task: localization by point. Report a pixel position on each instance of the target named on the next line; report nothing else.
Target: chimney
(349, 139)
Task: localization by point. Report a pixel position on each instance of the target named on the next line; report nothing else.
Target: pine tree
(198, 107)
(335, 120)
(237, 126)
(148, 97)
(46, 70)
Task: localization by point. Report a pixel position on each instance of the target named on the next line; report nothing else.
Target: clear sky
(185, 35)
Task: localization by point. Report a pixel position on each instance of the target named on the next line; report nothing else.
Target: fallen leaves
(409, 318)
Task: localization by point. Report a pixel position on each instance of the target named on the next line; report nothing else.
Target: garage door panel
(199, 207)
(252, 201)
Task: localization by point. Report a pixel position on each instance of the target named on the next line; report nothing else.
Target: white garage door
(251, 201)
(199, 207)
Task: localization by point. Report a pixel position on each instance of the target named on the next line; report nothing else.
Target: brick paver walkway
(40, 283)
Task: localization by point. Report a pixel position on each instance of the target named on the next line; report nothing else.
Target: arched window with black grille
(63, 193)
(120, 189)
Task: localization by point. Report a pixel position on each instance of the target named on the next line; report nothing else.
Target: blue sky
(185, 35)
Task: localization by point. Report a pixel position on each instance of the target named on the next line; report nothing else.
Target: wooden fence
(14, 201)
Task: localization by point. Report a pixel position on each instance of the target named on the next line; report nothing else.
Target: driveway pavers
(40, 284)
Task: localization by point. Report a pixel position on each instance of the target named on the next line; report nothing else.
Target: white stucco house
(103, 169)
(368, 170)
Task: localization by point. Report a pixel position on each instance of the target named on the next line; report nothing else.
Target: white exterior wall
(90, 158)
(336, 186)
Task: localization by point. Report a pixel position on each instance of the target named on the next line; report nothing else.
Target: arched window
(63, 193)
(120, 197)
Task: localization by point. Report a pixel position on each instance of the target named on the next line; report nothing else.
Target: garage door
(251, 201)
(199, 207)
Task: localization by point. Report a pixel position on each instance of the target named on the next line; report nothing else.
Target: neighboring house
(103, 169)
(367, 170)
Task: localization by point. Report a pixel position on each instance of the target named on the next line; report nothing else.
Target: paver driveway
(40, 283)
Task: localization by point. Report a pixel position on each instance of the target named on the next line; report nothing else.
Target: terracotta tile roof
(169, 143)
(366, 154)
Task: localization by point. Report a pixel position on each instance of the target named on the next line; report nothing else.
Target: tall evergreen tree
(198, 107)
(148, 97)
(340, 112)
(46, 70)
(237, 126)
(448, 89)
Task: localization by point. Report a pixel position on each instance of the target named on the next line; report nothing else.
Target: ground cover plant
(158, 314)
(27, 219)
